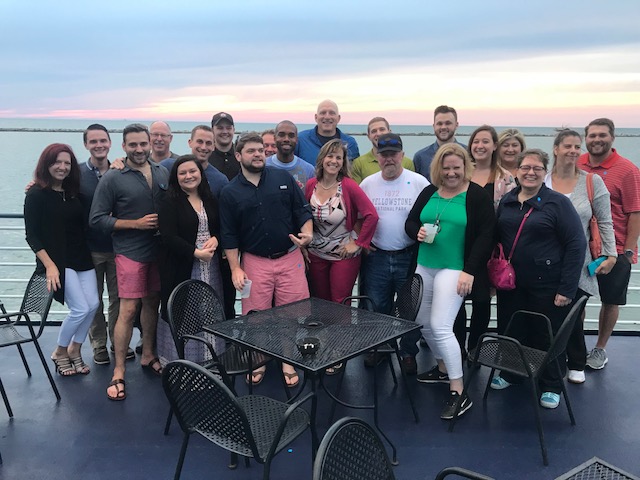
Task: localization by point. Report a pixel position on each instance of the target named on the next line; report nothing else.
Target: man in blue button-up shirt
(264, 216)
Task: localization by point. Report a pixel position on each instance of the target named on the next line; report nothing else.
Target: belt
(393, 252)
(275, 256)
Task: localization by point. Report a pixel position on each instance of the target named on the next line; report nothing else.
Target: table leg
(312, 425)
(394, 457)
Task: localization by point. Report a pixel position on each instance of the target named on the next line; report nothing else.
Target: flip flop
(256, 373)
(79, 365)
(121, 393)
(149, 367)
(291, 376)
(333, 370)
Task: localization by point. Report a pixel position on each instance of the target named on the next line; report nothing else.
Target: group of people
(315, 215)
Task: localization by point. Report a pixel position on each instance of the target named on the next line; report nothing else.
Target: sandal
(79, 365)
(291, 376)
(121, 394)
(252, 377)
(334, 369)
(64, 367)
(149, 367)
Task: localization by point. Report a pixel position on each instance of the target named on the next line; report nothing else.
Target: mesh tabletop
(343, 331)
(596, 469)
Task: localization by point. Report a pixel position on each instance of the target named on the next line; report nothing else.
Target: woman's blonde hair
(443, 151)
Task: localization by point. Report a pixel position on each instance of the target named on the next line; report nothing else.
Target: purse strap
(590, 189)
(526, 215)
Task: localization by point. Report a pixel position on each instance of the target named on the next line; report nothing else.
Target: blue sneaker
(549, 400)
(499, 383)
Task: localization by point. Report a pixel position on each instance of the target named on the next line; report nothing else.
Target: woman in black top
(190, 226)
(55, 231)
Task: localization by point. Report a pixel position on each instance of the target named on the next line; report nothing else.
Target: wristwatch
(628, 253)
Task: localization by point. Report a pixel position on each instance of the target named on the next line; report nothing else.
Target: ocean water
(19, 150)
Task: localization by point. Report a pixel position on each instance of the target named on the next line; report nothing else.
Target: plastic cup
(246, 290)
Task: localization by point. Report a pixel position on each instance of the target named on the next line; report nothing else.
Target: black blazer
(179, 228)
(478, 236)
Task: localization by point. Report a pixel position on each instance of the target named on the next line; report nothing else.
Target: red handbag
(501, 273)
(595, 241)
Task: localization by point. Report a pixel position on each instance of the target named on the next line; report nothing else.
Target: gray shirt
(125, 195)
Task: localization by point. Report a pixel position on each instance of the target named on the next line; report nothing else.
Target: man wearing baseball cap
(387, 267)
(223, 157)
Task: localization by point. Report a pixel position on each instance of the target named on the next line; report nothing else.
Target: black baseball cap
(221, 116)
(389, 142)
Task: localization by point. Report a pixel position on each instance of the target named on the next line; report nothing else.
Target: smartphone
(595, 264)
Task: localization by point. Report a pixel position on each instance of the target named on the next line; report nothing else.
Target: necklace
(439, 214)
(330, 186)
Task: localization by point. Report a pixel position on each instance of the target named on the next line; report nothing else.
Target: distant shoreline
(119, 130)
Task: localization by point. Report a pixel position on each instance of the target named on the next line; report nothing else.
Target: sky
(534, 63)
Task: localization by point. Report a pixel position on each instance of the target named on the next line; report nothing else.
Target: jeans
(385, 273)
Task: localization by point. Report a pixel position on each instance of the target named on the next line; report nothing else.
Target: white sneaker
(576, 376)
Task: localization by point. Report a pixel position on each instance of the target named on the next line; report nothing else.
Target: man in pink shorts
(265, 217)
(124, 206)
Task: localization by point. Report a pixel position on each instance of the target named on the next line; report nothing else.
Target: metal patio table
(343, 332)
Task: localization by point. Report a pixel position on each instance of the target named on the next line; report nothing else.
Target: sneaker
(499, 383)
(452, 402)
(576, 376)
(597, 358)
(433, 376)
(101, 356)
(423, 342)
(130, 353)
(373, 359)
(549, 400)
(409, 365)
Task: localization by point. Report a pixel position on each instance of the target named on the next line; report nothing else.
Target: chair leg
(392, 370)
(564, 393)
(46, 369)
(24, 360)
(183, 451)
(6, 400)
(338, 390)
(167, 424)
(233, 461)
(536, 409)
(486, 389)
(405, 382)
(267, 468)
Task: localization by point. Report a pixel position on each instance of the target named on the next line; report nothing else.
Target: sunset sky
(500, 62)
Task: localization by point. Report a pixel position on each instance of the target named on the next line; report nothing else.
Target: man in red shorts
(622, 179)
(125, 206)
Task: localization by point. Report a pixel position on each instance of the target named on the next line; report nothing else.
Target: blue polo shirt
(310, 143)
(259, 219)
(423, 158)
(217, 180)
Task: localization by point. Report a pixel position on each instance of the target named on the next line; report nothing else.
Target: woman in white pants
(454, 220)
(55, 229)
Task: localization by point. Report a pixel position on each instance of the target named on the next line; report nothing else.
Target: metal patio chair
(252, 426)
(193, 305)
(36, 301)
(352, 450)
(501, 352)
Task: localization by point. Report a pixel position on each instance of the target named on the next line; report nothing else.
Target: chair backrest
(559, 343)
(192, 305)
(352, 450)
(409, 298)
(202, 402)
(37, 299)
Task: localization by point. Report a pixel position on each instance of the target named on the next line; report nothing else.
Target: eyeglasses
(527, 168)
(160, 135)
(389, 142)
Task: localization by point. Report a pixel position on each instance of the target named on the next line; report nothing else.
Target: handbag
(501, 273)
(595, 240)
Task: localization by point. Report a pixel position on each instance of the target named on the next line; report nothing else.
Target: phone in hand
(594, 265)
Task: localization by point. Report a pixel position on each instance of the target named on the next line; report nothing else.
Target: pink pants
(333, 279)
(281, 280)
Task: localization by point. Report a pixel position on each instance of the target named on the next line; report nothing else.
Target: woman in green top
(453, 219)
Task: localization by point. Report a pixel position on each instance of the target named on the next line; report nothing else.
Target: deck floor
(86, 436)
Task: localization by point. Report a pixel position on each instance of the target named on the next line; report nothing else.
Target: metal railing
(17, 263)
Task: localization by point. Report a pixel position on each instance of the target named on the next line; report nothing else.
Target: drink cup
(246, 290)
(431, 231)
